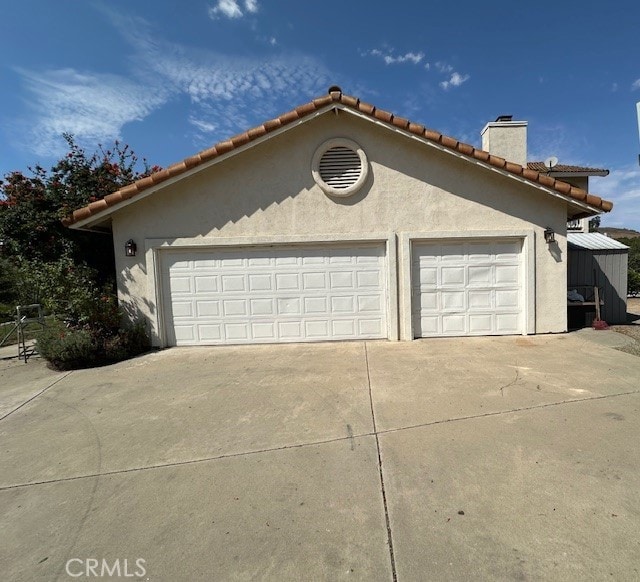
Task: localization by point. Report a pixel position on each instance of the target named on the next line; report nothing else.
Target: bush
(633, 283)
(128, 342)
(67, 348)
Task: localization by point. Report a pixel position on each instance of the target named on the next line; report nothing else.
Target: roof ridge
(335, 95)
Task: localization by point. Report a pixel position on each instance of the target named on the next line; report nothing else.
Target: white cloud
(622, 187)
(228, 8)
(443, 67)
(455, 80)
(93, 107)
(414, 58)
(635, 85)
(203, 126)
(390, 58)
(226, 94)
(251, 6)
(232, 8)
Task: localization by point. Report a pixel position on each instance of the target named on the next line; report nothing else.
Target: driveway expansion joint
(380, 472)
(187, 462)
(36, 395)
(501, 412)
(351, 437)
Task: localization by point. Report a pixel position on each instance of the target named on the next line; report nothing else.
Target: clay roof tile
(335, 95)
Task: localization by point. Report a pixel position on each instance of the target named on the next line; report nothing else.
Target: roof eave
(587, 209)
(99, 217)
(578, 174)
(385, 120)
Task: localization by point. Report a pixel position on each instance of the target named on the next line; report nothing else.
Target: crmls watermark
(94, 568)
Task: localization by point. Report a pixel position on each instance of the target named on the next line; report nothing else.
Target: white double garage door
(337, 292)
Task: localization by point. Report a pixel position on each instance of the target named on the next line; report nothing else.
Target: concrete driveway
(486, 459)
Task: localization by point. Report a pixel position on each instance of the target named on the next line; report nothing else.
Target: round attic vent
(339, 167)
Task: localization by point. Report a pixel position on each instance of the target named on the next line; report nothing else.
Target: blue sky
(171, 78)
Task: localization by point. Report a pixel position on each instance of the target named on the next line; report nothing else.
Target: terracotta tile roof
(335, 95)
(565, 168)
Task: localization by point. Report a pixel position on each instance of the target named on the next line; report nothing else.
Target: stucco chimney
(506, 138)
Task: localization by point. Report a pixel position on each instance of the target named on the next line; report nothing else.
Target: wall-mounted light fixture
(549, 235)
(1, 247)
(130, 248)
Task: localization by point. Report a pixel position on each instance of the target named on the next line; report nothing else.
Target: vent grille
(340, 167)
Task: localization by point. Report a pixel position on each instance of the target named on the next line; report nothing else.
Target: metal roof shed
(599, 261)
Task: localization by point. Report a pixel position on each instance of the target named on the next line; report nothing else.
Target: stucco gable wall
(268, 191)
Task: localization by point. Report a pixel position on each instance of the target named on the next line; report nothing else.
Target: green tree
(633, 276)
(32, 205)
(47, 262)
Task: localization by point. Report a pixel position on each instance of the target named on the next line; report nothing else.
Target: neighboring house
(594, 260)
(338, 221)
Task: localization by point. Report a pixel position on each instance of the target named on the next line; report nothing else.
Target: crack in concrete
(512, 383)
(315, 443)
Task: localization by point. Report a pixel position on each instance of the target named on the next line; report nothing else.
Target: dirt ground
(633, 305)
(633, 328)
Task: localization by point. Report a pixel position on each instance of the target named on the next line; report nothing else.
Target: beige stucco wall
(268, 191)
(507, 139)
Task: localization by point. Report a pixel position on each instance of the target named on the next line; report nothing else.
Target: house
(340, 221)
(593, 259)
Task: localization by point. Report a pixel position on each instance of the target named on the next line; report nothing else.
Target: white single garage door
(274, 294)
(467, 288)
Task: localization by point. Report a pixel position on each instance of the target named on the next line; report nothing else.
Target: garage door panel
(428, 300)
(205, 309)
(507, 251)
(507, 274)
(340, 280)
(205, 284)
(259, 307)
(479, 252)
(371, 327)
(181, 285)
(291, 330)
(342, 304)
(260, 282)
(467, 288)
(232, 283)
(344, 328)
(508, 322)
(289, 306)
(450, 252)
(264, 331)
(369, 279)
(480, 299)
(314, 281)
(453, 300)
(453, 324)
(480, 324)
(369, 303)
(317, 329)
(480, 275)
(185, 333)
(508, 298)
(274, 294)
(452, 276)
(210, 332)
(314, 305)
(428, 275)
(182, 309)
